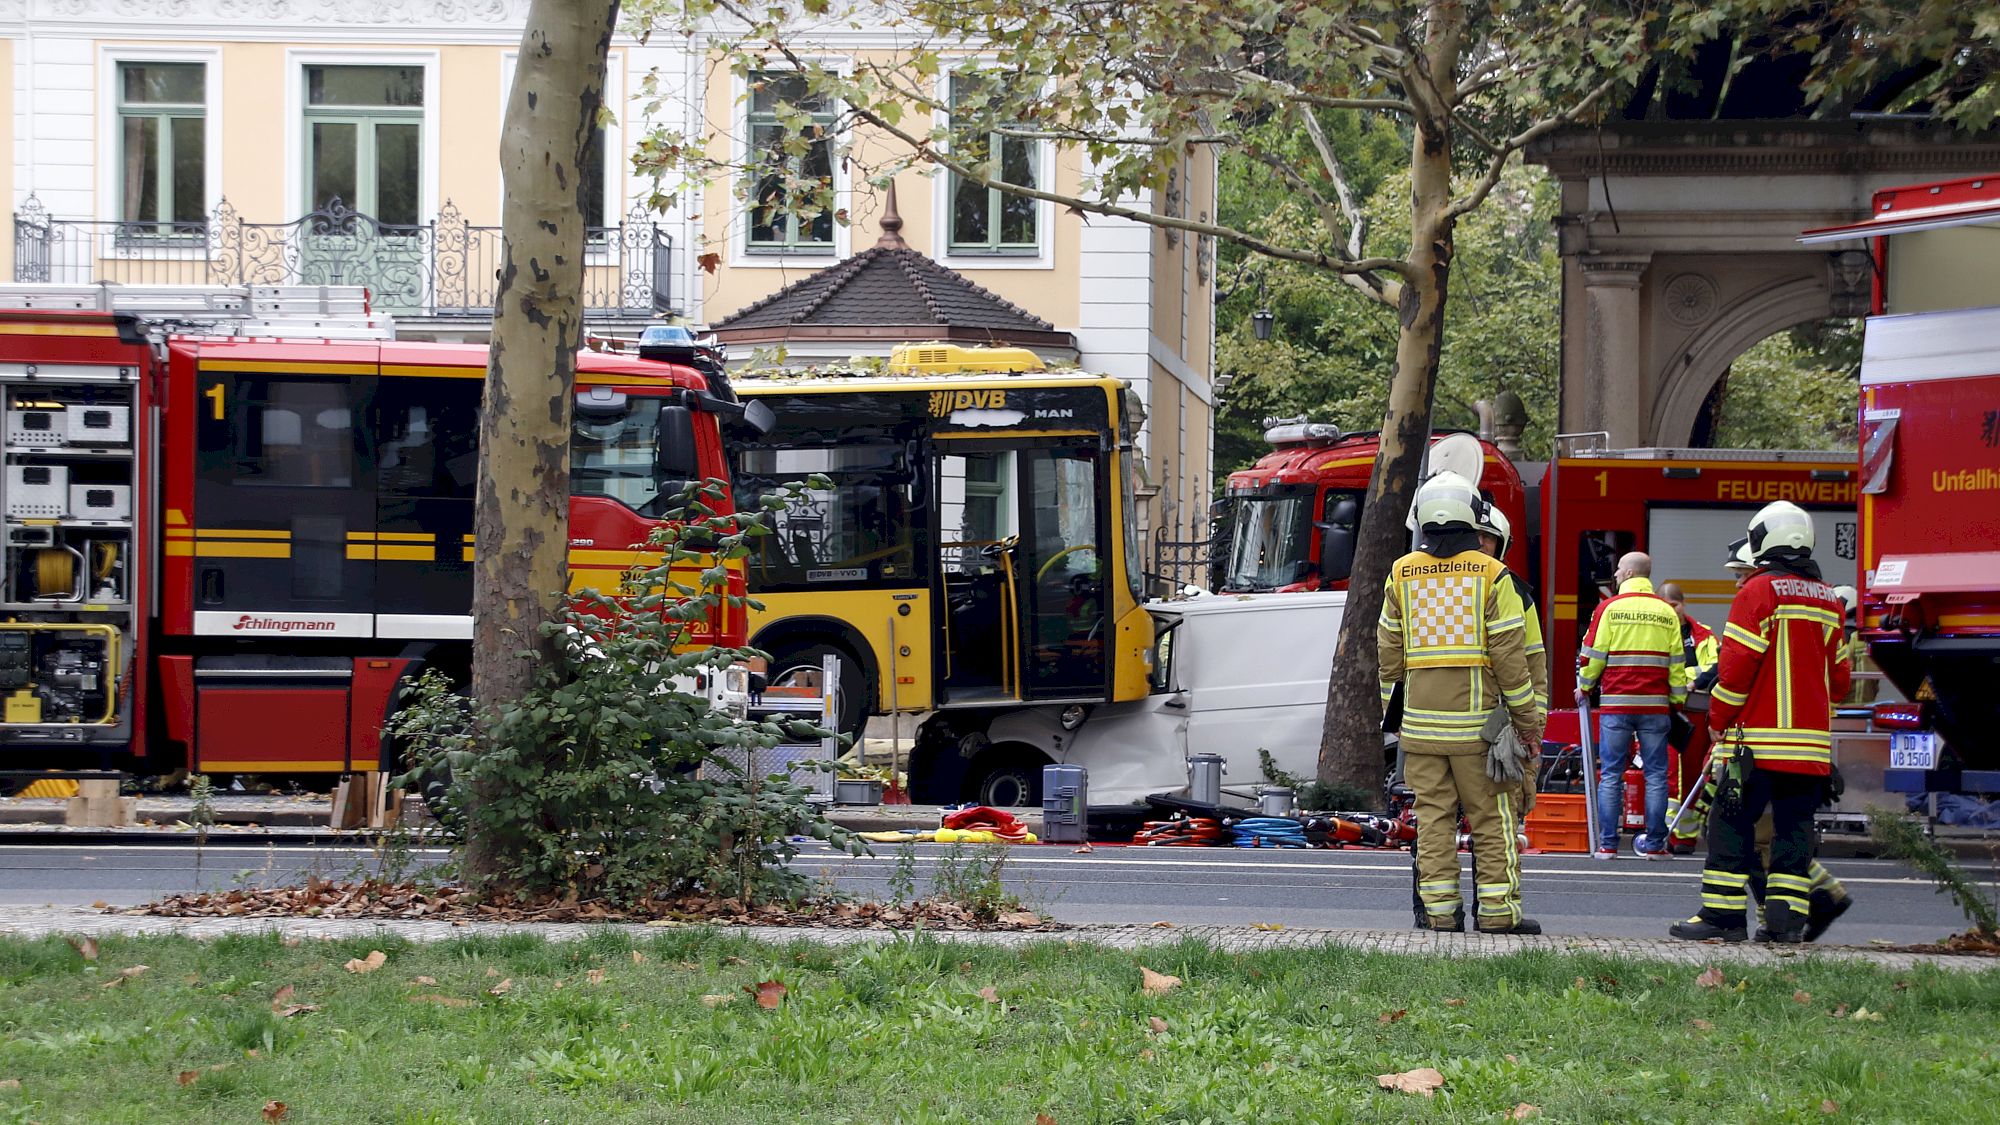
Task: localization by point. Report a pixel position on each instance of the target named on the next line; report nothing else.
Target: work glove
(1835, 786)
(1506, 754)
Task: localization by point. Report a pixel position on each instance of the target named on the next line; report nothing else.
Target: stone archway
(1708, 350)
(1679, 244)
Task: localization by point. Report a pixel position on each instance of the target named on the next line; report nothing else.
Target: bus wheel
(850, 701)
(1007, 777)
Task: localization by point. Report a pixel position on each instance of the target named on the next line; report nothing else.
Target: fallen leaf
(1578, 984)
(293, 943)
(1158, 1025)
(1840, 1012)
(709, 263)
(281, 997)
(1270, 926)
(251, 1053)
(1163, 925)
(1801, 996)
(1020, 918)
(595, 976)
(1146, 1053)
(964, 967)
(1511, 1058)
(732, 959)
(1454, 1002)
(187, 1076)
(275, 1110)
(505, 986)
(638, 958)
(290, 1010)
(1880, 941)
(1902, 986)
(375, 960)
(1523, 1111)
(1387, 1018)
(990, 994)
(424, 980)
(1701, 1025)
(100, 904)
(1711, 978)
(1829, 1106)
(716, 1000)
(1084, 850)
(1044, 1119)
(441, 1001)
(86, 947)
(1156, 984)
(1424, 1080)
(1862, 1013)
(769, 993)
(124, 975)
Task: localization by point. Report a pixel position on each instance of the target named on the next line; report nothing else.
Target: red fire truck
(1930, 478)
(1292, 517)
(235, 520)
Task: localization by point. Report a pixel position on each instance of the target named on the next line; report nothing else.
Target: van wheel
(1007, 779)
(850, 702)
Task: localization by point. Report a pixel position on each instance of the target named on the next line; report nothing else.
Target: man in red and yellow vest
(1632, 656)
(1782, 667)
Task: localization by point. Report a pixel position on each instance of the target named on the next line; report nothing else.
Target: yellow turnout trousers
(1443, 783)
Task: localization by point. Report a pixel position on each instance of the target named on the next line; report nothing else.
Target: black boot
(1524, 926)
(1699, 928)
(1781, 925)
(1822, 910)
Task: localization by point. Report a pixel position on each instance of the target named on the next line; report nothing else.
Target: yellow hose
(55, 571)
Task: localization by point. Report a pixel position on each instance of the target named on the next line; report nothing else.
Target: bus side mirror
(674, 452)
(1337, 540)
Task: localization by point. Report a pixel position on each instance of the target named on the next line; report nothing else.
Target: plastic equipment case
(1065, 804)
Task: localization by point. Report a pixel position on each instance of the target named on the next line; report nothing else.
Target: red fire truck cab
(234, 521)
(1293, 516)
(1930, 477)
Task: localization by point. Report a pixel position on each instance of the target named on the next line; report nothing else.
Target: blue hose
(1268, 832)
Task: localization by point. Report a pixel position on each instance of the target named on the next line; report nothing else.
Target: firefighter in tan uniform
(1454, 632)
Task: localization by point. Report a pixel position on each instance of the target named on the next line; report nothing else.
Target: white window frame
(1043, 258)
(617, 167)
(297, 59)
(738, 230)
(109, 137)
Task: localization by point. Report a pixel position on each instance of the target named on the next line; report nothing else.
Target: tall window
(987, 220)
(364, 139)
(163, 159)
(595, 159)
(790, 170)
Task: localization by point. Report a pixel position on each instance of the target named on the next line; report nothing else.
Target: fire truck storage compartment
(270, 713)
(68, 491)
(53, 673)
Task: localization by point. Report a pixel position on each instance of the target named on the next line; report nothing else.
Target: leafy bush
(1316, 795)
(614, 778)
(1904, 838)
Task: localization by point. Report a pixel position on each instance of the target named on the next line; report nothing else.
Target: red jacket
(1783, 666)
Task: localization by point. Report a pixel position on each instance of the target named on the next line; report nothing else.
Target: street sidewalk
(35, 922)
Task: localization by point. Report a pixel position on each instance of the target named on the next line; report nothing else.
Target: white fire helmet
(1736, 556)
(1448, 499)
(1779, 525)
(1493, 522)
(1850, 598)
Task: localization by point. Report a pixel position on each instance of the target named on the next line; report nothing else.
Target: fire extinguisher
(1635, 797)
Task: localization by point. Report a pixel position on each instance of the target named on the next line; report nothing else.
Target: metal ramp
(335, 312)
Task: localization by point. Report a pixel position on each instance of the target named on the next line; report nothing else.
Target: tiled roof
(885, 286)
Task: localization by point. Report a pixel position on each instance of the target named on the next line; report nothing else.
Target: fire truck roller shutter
(1685, 542)
(272, 714)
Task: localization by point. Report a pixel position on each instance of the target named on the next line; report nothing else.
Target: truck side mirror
(674, 454)
(1338, 536)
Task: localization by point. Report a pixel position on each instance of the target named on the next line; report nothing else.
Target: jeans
(1614, 749)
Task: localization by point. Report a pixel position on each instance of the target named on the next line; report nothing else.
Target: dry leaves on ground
(1271, 927)
(1801, 996)
(1387, 1018)
(1454, 1002)
(441, 1001)
(275, 1110)
(10, 1083)
(1158, 1025)
(990, 994)
(1163, 925)
(1424, 1080)
(1829, 1106)
(424, 980)
(1523, 1111)
(1862, 1013)
(1839, 1012)
(505, 986)
(1156, 984)
(769, 993)
(125, 975)
(717, 999)
(375, 960)
(595, 976)
(86, 947)
(638, 958)
(282, 997)
(1711, 977)
(1701, 1025)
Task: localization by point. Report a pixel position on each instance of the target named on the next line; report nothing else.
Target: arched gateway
(1679, 249)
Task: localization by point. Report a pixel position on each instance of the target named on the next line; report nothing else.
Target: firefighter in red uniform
(1771, 714)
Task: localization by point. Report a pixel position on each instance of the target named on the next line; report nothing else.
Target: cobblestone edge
(33, 922)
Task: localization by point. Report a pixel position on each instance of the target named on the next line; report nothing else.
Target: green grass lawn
(902, 1033)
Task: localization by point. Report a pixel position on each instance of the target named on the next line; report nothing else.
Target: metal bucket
(1276, 800)
(1205, 778)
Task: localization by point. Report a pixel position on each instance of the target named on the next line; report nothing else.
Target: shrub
(614, 777)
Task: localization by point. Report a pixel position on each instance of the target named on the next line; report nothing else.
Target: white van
(1232, 674)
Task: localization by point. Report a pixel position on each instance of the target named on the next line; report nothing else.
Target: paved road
(1627, 898)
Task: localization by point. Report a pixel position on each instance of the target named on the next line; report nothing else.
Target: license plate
(1913, 750)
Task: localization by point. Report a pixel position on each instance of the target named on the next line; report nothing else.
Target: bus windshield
(1272, 544)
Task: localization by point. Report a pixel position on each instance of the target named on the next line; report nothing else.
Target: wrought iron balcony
(446, 268)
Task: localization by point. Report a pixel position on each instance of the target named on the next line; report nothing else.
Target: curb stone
(35, 922)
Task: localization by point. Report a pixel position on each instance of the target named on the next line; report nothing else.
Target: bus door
(426, 464)
(1021, 580)
(284, 482)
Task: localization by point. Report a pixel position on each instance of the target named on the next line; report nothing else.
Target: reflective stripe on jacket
(1455, 634)
(1783, 665)
(1538, 653)
(1699, 647)
(1633, 652)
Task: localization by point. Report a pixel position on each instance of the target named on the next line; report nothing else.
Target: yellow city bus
(974, 546)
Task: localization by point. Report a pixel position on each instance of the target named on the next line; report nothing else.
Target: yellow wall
(1048, 293)
(253, 132)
